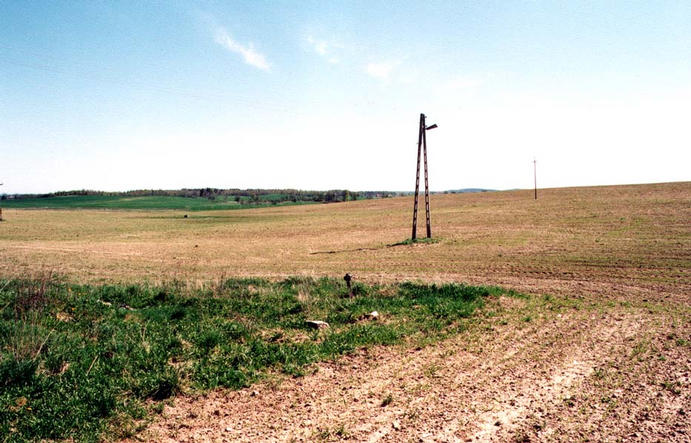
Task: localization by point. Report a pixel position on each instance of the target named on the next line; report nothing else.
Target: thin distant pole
(535, 176)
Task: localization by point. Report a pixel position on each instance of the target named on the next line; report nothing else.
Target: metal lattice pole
(424, 144)
(422, 149)
(417, 173)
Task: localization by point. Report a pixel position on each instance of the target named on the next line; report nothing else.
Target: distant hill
(467, 190)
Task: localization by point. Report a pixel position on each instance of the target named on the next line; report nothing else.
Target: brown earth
(604, 356)
(555, 369)
(628, 235)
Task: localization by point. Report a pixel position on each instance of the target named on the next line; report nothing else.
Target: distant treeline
(246, 196)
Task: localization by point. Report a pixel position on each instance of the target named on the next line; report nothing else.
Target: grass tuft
(410, 241)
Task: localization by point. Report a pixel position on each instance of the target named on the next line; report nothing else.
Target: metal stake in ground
(422, 148)
(347, 279)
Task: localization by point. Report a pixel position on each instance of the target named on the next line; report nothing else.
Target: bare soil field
(624, 235)
(598, 351)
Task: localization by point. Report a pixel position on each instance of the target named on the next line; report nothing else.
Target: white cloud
(319, 46)
(248, 53)
(324, 49)
(381, 71)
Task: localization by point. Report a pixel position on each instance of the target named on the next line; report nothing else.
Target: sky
(327, 95)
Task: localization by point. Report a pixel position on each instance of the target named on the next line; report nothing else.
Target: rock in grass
(317, 324)
(374, 315)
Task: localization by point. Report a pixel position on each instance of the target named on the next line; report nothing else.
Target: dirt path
(540, 369)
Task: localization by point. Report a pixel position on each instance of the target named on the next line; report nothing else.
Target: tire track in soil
(548, 389)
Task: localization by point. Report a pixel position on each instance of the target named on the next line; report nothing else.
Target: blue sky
(323, 95)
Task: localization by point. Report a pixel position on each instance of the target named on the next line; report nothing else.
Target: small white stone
(317, 324)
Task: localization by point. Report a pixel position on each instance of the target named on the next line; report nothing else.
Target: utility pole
(417, 174)
(535, 176)
(1, 208)
(422, 149)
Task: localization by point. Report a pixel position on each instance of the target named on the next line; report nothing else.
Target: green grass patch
(79, 360)
(410, 241)
(142, 202)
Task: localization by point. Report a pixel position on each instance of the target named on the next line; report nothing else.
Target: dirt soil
(599, 351)
(594, 364)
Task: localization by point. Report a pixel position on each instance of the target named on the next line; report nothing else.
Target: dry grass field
(636, 236)
(599, 351)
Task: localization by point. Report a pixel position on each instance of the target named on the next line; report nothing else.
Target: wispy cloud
(461, 83)
(381, 71)
(324, 49)
(248, 53)
(320, 46)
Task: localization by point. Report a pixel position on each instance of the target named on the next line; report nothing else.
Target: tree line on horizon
(239, 195)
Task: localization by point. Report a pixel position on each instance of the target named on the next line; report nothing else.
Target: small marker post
(535, 176)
